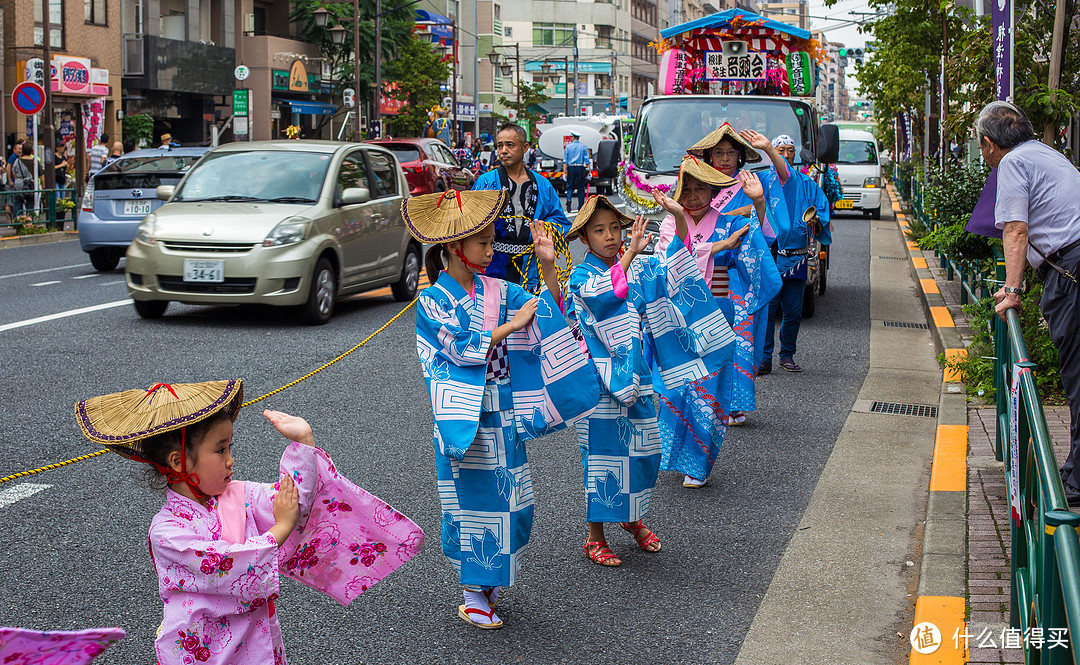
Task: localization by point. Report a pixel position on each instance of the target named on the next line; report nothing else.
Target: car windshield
(404, 153)
(857, 152)
(170, 163)
(667, 127)
(278, 176)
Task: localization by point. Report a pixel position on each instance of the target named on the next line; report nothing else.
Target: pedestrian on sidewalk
(807, 219)
(218, 545)
(613, 292)
(495, 363)
(576, 159)
(1038, 210)
(694, 418)
(96, 156)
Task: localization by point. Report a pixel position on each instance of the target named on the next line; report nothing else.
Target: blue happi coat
(800, 192)
(548, 208)
(487, 402)
(663, 300)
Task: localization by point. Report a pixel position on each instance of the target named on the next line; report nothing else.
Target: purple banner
(1001, 26)
(981, 221)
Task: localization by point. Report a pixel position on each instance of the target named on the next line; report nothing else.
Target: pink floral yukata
(218, 565)
(21, 646)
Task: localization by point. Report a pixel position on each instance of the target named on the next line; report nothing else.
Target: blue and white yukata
(486, 406)
(665, 300)
(755, 282)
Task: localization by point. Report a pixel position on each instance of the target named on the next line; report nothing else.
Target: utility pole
(356, 65)
(376, 105)
(1056, 56)
(476, 69)
(577, 104)
(47, 129)
(453, 24)
(945, 149)
(611, 82)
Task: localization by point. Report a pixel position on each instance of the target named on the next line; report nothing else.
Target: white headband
(783, 139)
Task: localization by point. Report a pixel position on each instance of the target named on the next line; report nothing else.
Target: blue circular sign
(28, 98)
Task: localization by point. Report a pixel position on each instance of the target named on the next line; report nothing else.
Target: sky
(833, 20)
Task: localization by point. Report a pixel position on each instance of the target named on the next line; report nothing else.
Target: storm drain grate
(903, 324)
(892, 258)
(895, 409)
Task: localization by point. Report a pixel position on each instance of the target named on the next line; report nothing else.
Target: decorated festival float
(733, 66)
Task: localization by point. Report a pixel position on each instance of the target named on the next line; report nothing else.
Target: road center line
(34, 272)
(93, 274)
(55, 281)
(62, 315)
(19, 492)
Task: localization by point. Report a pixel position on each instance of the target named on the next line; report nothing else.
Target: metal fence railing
(50, 207)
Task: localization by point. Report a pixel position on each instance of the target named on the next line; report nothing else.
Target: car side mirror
(165, 192)
(355, 195)
(607, 159)
(828, 144)
(806, 156)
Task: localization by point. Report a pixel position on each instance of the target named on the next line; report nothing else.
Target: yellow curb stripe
(919, 261)
(942, 317)
(953, 356)
(911, 244)
(949, 472)
(929, 285)
(947, 613)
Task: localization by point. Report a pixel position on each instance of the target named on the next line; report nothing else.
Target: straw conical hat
(121, 420)
(452, 215)
(697, 168)
(587, 210)
(725, 131)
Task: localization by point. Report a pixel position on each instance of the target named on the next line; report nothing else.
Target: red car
(429, 165)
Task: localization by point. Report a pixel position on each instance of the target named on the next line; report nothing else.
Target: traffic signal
(858, 54)
(843, 52)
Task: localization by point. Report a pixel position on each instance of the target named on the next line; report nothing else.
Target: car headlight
(147, 229)
(872, 182)
(287, 232)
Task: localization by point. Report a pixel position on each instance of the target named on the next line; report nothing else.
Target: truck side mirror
(607, 159)
(828, 144)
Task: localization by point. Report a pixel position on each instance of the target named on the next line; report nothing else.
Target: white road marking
(119, 281)
(55, 281)
(34, 272)
(62, 315)
(93, 274)
(19, 492)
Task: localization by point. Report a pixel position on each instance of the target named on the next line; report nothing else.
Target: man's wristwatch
(1012, 289)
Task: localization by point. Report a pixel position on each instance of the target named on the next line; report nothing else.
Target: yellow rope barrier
(562, 251)
(80, 458)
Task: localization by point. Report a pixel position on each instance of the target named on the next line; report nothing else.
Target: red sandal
(463, 612)
(644, 540)
(599, 552)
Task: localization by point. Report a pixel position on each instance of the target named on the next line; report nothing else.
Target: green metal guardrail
(1045, 551)
(48, 212)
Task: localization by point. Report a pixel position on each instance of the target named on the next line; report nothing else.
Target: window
(385, 175)
(553, 34)
(508, 32)
(497, 12)
(603, 36)
(353, 173)
(56, 24)
(95, 11)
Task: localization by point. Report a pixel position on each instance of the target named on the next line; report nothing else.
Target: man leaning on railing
(1038, 209)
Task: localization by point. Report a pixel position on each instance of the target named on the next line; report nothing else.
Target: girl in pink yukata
(218, 544)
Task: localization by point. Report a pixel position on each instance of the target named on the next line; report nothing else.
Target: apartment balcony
(156, 63)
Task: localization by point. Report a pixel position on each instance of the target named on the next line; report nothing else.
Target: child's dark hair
(435, 261)
(158, 448)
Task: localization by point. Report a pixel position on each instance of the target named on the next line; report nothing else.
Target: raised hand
(292, 428)
(667, 203)
(543, 245)
(638, 239)
(756, 139)
(751, 185)
(286, 509)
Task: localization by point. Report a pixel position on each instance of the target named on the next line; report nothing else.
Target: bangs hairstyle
(157, 448)
(601, 203)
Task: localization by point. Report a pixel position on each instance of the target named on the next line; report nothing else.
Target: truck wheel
(405, 288)
(151, 309)
(823, 279)
(320, 305)
(809, 292)
(875, 213)
(105, 259)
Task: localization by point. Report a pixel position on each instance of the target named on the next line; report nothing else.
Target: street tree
(532, 95)
(417, 71)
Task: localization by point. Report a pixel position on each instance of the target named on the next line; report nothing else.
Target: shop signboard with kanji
(746, 66)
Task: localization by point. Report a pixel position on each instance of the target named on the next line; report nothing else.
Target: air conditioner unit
(249, 22)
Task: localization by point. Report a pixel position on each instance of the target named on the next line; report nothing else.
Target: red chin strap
(468, 264)
(182, 476)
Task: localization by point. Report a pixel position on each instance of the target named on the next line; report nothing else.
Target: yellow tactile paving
(942, 317)
(929, 285)
(953, 355)
(919, 262)
(946, 613)
(949, 472)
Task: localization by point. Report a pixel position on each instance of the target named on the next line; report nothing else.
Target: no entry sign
(28, 98)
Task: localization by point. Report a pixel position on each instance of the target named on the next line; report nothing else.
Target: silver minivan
(287, 223)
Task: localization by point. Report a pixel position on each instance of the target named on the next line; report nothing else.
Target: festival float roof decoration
(761, 34)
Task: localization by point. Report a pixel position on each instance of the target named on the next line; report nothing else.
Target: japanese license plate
(137, 208)
(204, 271)
(845, 204)
(547, 163)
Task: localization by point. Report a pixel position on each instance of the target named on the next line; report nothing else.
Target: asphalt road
(76, 550)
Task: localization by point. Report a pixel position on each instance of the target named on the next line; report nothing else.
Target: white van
(860, 172)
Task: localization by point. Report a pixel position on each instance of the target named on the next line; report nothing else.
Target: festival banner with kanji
(747, 66)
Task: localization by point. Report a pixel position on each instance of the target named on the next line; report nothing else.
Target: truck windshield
(667, 127)
(857, 152)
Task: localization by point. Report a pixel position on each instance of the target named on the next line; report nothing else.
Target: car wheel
(809, 292)
(875, 213)
(151, 309)
(320, 304)
(405, 288)
(440, 187)
(105, 259)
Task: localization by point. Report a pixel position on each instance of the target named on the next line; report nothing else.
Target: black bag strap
(1064, 271)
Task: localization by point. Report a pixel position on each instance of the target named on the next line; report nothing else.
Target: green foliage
(418, 70)
(532, 95)
(139, 127)
(948, 199)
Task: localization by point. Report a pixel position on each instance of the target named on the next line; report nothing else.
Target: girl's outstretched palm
(638, 239)
(543, 245)
(292, 428)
